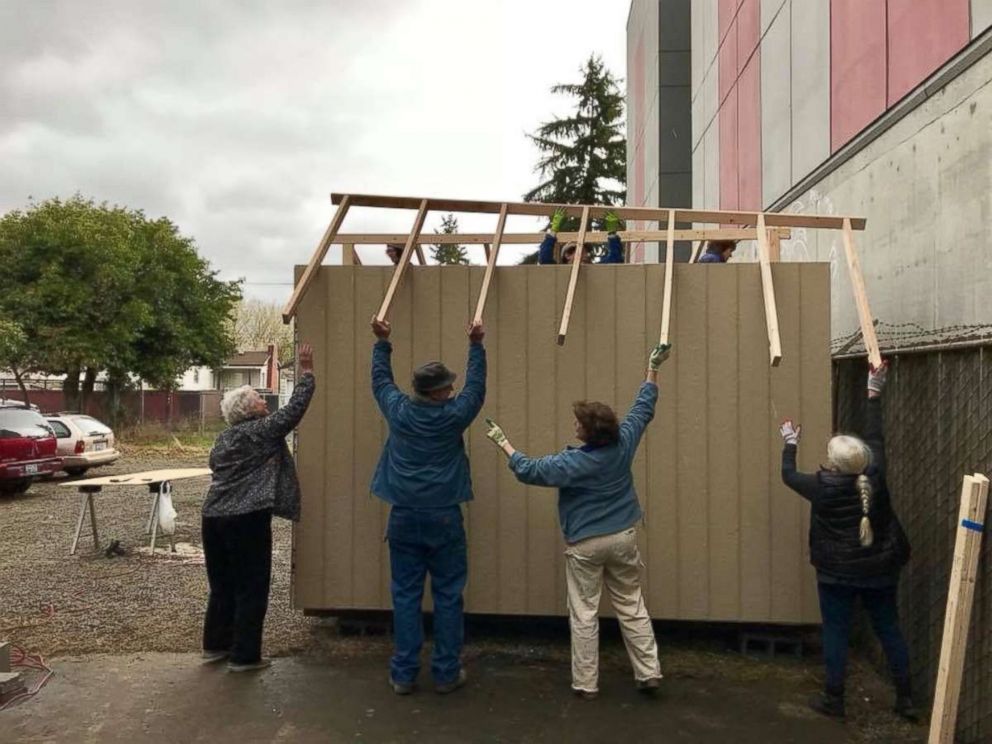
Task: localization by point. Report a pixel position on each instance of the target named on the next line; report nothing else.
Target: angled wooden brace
(315, 261)
(666, 300)
(580, 247)
(418, 225)
(860, 295)
(491, 256)
(768, 290)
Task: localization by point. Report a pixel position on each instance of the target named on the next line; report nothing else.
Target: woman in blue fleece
(614, 247)
(598, 511)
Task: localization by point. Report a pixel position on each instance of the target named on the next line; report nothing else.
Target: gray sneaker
(452, 686)
(253, 667)
(212, 657)
(401, 688)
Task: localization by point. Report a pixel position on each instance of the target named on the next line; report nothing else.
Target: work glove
(612, 222)
(658, 355)
(790, 432)
(494, 433)
(556, 219)
(877, 377)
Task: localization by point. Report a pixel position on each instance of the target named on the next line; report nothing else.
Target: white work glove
(790, 432)
(658, 355)
(877, 377)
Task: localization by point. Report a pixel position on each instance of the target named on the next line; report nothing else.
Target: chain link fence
(938, 419)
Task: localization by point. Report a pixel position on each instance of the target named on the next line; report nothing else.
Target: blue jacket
(423, 463)
(614, 249)
(595, 486)
(711, 258)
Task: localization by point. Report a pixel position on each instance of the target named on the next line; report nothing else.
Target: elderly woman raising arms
(254, 478)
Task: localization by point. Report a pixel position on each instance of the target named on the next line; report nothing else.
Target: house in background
(257, 368)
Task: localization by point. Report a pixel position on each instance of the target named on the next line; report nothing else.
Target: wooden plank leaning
(580, 249)
(960, 596)
(316, 259)
(394, 283)
(768, 290)
(860, 295)
(666, 300)
(491, 255)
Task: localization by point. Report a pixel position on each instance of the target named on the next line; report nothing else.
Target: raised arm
(874, 434)
(546, 253)
(804, 484)
(614, 246)
(384, 388)
(551, 471)
(469, 401)
(282, 421)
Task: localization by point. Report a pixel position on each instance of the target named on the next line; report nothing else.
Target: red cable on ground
(21, 658)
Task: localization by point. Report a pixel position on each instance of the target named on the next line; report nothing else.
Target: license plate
(99, 446)
(30, 469)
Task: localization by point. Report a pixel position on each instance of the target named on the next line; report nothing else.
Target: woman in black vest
(857, 546)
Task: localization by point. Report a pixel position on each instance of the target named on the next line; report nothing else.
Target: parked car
(83, 442)
(28, 449)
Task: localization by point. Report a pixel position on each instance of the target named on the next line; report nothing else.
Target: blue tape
(969, 525)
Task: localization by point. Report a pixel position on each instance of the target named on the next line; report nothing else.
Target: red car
(27, 449)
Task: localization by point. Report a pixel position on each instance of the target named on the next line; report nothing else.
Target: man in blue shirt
(423, 474)
(614, 247)
(718, 251)
(598, 511)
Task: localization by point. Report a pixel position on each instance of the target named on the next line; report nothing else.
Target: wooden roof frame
(768, 228)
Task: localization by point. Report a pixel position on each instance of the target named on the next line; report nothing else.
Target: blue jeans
(837, 609)
(423, 541)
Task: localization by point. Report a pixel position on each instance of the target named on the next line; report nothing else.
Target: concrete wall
(723, 538)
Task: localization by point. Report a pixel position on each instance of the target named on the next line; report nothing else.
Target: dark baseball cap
(432, 376)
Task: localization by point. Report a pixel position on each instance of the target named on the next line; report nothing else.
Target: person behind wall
(423, 474)
(614, 246)
(857, 546)
(598, 510)
(254, 479)
(394, 251)
(718, 251)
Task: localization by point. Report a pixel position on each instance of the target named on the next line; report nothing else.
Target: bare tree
(256, 324)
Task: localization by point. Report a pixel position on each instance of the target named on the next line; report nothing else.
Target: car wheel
(15, 488)
(76, 471)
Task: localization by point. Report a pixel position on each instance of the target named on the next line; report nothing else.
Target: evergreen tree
(449, 254)
(584, 157)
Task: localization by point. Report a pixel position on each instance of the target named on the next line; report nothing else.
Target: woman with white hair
(254, 478)
(857, 546)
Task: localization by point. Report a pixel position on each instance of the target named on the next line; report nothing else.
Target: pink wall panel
(749, 136)
(857, 67)
(726, 10)
(923, 34)
(728, 152)
(748, 30)
(637, 89)
(727, 60)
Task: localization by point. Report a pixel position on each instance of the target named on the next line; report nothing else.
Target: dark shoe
(585, 694)
(904, 707)
(252, 667)
(212, 657)
(452, 686)
(828, 704)
(401, 688)
(649, 686)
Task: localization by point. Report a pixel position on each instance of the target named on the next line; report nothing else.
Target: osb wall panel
(722, 537)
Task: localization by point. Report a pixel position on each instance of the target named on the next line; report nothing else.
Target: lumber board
(544, 209)
(729, 233)
(960, 597)
(774, 247)
(491, 256)
(860, 295)
(768, 291)
(580, 246)
(316, 259)
(141, 478)
(666, 302)
(418, 225)
(348, 254)
(697, 247)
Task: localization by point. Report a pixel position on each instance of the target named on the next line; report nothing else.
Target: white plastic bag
(166, 513)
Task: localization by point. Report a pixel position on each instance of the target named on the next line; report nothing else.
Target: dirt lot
(62, 606)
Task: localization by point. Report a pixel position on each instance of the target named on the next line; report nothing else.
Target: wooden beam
(697, 246)
(768, 290)
(537, 209)
(491, 257)
(860, 295)
(666, 300)
(316, 259)
(420, 253)
(580, 247)
(348, 254)
(418, 225)
(774, 247)
(960, 597)
(629, 236)
(486, 248)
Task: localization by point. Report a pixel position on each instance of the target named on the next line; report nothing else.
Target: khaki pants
(612, 559)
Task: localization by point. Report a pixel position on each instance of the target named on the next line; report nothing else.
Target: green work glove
(556, 219)
(612, 222)
(494, 433)
(658, 355)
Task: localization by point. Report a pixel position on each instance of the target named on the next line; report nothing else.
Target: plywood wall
(722, 540)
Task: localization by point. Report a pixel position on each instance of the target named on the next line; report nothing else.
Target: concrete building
(879, 108)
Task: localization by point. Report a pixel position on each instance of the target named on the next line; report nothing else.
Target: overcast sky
(237, 118)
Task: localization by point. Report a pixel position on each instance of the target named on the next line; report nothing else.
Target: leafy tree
(449, 254)
(583, 156)
(14, 352)
(97, 287)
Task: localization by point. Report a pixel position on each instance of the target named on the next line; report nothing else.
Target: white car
(83, 442)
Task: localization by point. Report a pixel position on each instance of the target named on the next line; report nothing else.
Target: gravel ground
(58, 604)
